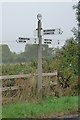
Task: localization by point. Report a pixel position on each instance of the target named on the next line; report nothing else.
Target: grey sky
(19, 19)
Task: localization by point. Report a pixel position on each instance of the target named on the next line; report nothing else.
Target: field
(49, 107)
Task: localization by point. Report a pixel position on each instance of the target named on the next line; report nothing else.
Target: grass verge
(49, 107)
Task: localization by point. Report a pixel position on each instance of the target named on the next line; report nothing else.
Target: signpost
(40, 32)
(56, 31)
(22, 40)
(47, 41)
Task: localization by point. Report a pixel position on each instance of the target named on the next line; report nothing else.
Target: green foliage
(67, 62)
(14, 69)
(49, 107)
(30, 54)
(5, 54)
(69, 54)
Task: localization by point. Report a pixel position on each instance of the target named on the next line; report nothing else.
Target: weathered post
(39, 83)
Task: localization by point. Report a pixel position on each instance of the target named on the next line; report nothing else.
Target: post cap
(39, 16)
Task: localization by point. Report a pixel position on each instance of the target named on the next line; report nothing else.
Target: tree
(67, 60)
(6, 54)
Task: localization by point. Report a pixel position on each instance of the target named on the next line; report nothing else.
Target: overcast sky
(20, 19)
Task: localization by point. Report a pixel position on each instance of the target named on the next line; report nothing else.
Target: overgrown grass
(49, 107)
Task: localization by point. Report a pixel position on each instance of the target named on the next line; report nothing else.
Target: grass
(49, 107)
